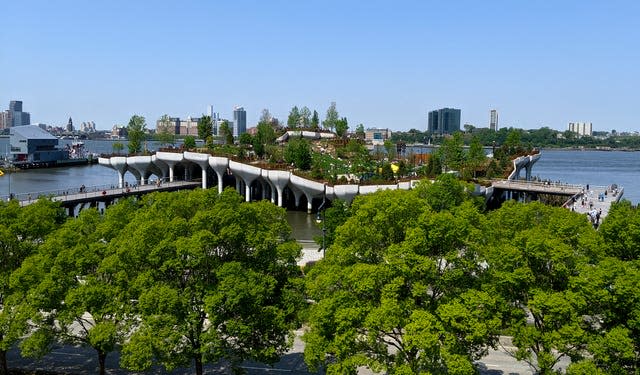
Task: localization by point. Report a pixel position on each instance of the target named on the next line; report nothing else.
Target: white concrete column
(219, 165)
(171, 159)
(202, 160)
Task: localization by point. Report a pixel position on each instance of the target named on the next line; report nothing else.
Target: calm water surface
(594, 168)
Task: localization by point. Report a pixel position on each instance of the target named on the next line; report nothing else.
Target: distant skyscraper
(14, 115)
(210, 111)
(444, 121)
(70, 125)
(4, 119)
(493, 122)
(15, 105)
(239, 121)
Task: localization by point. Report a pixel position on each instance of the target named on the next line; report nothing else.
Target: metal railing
(542, 184)
(91, 191)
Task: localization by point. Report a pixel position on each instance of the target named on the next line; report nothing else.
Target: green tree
(341, 127)
(476, 157)
(398, 291)
(535, 253)
(265, 117)
(315, 120)
(205, 129)
(21, 230)
(293, 121)
(265, 136)
(246, 139)
(389, 148)
(214, 277)
(77, 295)
(226, 132)
(117, 147)
(165, 132)
(452, 153)
(331, 118)
(189, 142)
(305, 117)
(298, 153)
(360, 132)
(513, 143)
(136, 133)
(434, 165)
(621, 231)
(611, 290)
(446, 192)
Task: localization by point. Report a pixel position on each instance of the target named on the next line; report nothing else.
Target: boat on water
(34, 147)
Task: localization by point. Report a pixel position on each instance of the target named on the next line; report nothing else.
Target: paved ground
(595, 200)
(77, 360)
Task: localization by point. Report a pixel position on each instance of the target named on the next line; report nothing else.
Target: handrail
(86, 190)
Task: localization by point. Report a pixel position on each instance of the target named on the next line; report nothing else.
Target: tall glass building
(444, 121)
(493, 120)
(239, 121)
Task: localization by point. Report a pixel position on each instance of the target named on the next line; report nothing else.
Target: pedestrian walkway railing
(540, 184)
(88, 191)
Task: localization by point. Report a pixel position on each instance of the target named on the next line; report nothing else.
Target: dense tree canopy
(213, 280)
(535, 252)
(418, 281)
(181, 278)
(395, 288)
(21, 230)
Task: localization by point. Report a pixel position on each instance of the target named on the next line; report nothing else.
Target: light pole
(320, 219)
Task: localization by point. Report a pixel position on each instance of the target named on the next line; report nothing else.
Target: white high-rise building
(581, 128)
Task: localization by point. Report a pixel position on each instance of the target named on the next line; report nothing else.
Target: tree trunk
(198, 359)
(102, 358)
(4, 369)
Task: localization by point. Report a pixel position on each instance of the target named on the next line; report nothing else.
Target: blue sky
(384, 63)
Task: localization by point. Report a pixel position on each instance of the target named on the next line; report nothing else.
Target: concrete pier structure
(273, 184)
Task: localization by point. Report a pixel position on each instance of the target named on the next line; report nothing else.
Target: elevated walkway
(537, 187)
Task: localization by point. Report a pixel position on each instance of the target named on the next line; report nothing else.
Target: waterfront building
(88, 127)
(493, 120)
(189, 126)
(29, 143)
(444, 121)
(581, 128)
(118, 132)
(177, 126)
(239, 121)
(376, 136)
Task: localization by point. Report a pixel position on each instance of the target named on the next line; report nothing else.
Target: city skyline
(385, 65)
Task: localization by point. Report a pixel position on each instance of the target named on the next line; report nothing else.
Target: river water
(575, 167)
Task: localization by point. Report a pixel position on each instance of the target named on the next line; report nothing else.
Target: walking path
(596, 201)
(80, 360)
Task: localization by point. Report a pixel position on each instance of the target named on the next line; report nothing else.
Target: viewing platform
(595, 202)
(538, 187)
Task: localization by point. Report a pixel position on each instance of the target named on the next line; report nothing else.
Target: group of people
(594, 217)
